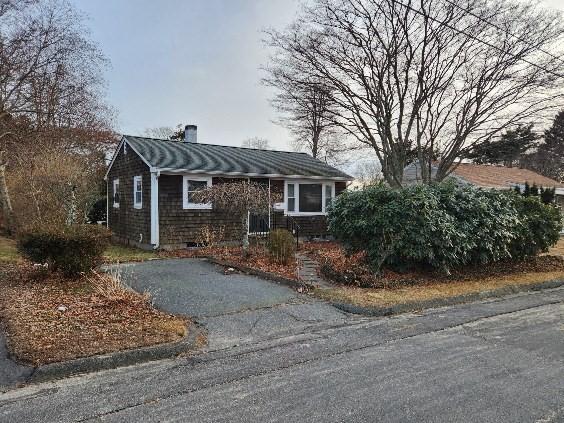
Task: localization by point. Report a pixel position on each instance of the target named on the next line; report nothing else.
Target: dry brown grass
(100, 316)
(110, 286)
(558, 249)
(368, 297)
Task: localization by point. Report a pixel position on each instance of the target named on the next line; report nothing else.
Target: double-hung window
(191, 185)
(138, 192)
(291, 197)
(308, 197)
(328, 195)
(115, 193)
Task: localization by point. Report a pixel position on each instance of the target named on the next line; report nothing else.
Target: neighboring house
(491, 176)
(151, 184)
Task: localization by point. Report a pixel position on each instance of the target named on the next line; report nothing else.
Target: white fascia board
(119, 147)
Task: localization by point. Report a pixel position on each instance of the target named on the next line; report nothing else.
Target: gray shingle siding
(128, 224)
(179, 226)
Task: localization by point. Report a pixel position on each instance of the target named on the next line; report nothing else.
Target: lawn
(48, 318)
(114, 253)
(8, 251)
(369, 297)
(119, 253)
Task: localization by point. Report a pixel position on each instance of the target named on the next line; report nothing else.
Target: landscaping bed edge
(292, 283)
(117, 359)
(443, 302)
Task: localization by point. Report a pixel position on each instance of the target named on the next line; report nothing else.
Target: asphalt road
(494, 361)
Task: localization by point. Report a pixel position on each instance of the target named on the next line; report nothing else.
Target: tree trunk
(6, 203)
(245, 229)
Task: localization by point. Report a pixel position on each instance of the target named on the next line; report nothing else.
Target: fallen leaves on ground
(364, 288)
(258, 258)
(40, 332)
(353, 269)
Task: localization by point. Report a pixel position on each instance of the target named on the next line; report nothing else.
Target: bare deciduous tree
(433, 76)
(239, 199)
(51, 88)
(166, 132)
(368, 172)
(256, 142)
(305, 107)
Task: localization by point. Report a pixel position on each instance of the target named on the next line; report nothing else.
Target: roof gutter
(173, 171)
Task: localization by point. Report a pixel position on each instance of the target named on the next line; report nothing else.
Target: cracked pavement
(235, 308)
(492, 361)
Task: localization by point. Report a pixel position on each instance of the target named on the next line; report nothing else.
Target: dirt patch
(258, 259)
(49, 319)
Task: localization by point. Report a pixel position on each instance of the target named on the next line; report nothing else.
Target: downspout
(155, 173)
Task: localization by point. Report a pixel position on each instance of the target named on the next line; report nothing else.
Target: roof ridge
(217, 145)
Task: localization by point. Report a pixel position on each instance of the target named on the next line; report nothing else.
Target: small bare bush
(281, 246)
(210, 236)
(111, 287)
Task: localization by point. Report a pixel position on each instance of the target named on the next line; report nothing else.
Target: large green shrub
(539, 227)
(442, 225)
(281, 246)
(70, 249)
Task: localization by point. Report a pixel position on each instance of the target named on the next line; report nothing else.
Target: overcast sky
(192, 61)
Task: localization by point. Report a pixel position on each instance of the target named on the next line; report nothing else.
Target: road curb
(443, 302)
(292, 283)
(117, 359)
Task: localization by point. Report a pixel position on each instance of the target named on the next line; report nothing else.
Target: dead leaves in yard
(56, 319)
(257, 259)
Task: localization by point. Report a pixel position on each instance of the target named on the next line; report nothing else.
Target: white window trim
(137, 205)
(297, 183)
(114, 185)
(194, 206)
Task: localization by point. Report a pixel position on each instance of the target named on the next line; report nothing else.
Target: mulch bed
(39, 333)
(352, 270)
(258, 259)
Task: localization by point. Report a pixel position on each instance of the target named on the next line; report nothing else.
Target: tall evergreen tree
(553, 149)
(507, 150)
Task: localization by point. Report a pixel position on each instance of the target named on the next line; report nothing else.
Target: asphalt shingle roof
(487, 176)
(197, 157)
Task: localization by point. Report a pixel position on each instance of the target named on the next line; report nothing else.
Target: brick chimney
(191, 133)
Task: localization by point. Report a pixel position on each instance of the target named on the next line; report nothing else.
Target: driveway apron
(235, 308)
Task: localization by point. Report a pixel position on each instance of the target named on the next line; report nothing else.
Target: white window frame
(194, 206)
(332, 186)
(297, 184)
(136, 204)
(287, 197)
(115, 188)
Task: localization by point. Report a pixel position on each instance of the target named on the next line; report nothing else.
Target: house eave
(171, 171)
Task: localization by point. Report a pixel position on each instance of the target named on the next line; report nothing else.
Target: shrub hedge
(442, 225)
(70, 249)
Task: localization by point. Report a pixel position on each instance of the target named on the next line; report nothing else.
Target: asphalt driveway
(198, 288)
(235, 308)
